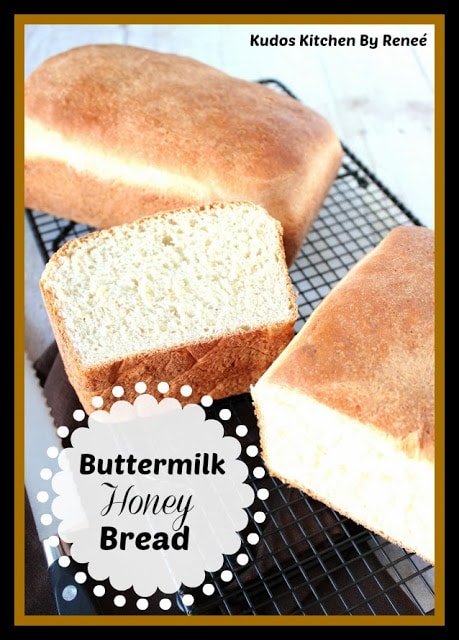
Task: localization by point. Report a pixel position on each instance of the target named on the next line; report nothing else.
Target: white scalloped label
(151, 495)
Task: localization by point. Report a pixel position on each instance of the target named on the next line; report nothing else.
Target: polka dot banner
(149, 478)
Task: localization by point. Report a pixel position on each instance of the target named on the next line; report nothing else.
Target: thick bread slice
(346, 412)
(116, 132)
(200, 296)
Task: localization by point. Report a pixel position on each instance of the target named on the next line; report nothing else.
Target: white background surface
(379, 100)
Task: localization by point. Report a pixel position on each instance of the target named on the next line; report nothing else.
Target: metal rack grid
(308, 560)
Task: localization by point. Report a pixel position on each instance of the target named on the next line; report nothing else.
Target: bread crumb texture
(174, 279)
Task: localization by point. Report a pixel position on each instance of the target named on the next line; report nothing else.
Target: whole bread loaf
(346, 412)
(199, 297)
(116, 132)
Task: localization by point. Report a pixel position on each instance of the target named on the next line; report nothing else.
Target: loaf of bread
(116, 132)
(199, 297)
(346, 412)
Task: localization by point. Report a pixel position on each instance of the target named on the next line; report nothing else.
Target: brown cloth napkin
(308, 560)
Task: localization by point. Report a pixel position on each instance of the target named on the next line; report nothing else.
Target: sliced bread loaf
(347, 411)
(199, 296)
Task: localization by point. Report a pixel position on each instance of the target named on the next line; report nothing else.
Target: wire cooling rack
(297, 556)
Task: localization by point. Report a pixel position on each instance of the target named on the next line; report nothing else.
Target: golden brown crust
(367, 351)
(220, 368)
(234, 139)
(89, 200)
